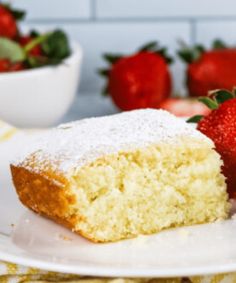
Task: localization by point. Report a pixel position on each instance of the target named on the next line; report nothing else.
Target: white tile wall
(123, 25)
(208, 31)
(54, 9)
(114, 9)
(164, 8)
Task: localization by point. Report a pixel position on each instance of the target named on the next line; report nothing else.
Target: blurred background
(122, 26)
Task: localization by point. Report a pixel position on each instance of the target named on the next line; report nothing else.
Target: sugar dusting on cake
(74, 144)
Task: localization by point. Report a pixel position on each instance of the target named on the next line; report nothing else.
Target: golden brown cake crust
(43, 192)
(46, 194)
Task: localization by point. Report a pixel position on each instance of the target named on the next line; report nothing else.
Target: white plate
(34, 241)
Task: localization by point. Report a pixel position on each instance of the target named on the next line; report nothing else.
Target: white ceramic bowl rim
(76, 52)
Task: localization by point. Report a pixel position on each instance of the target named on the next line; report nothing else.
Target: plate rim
(77, 269)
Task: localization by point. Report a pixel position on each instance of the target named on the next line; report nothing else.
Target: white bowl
(40, 97)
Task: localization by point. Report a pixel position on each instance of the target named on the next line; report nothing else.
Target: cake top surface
(74, 144)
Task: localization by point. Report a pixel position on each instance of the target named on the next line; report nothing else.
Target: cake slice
(119, 176)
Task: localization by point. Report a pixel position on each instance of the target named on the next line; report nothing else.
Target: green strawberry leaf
(165, 55)
(103, 72)
(11, 50)
(35, 62)
(56, 46)
(190, 55)
(154, 47)
(17, 14)
(105, 91)
(210, 103)
(219, 44)
(112, 58)
(36, 41)
(200, 48)
(186, 55)
(195, 119)
(223, 95)
(34, 33)
(151, 46)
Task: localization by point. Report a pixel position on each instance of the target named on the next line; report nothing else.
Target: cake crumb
(65, 238)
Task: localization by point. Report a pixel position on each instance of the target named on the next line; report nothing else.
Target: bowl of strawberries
(39, 72)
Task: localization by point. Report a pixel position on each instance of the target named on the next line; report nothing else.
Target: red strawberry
(4, 65)
(220, 126)
(8, 27)
(36, 51)
(15, 67)
(141, 80)
(184, 107)
(7, 66)
(213, 69)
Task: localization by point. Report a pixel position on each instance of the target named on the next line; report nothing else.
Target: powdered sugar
(74, 144)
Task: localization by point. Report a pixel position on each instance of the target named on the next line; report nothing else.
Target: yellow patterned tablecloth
(6, 131)
(13, 273)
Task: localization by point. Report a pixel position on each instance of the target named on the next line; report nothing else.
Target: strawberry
(7, 66)
(8, 20)
(209, 69)
(184, 107)
(24, 40)
(15, 67)
(4, 65)
(140, 80)
(220, 126)
(8, 27)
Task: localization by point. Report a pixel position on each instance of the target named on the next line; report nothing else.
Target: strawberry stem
(36, 41)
